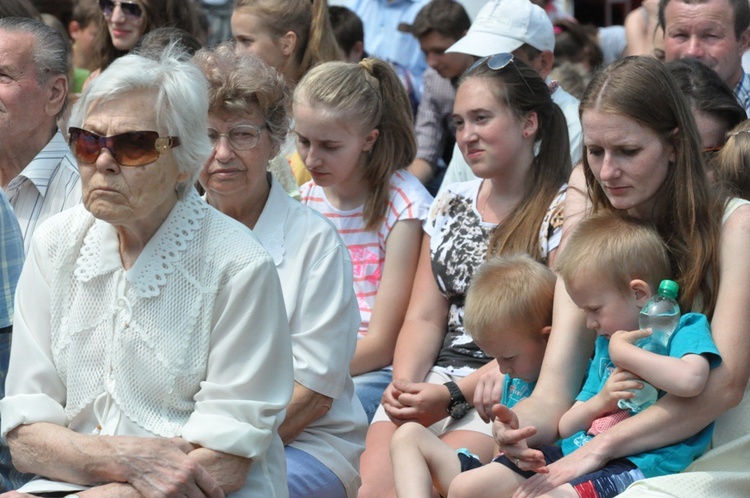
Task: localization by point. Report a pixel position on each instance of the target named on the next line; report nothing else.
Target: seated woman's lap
(471, 422)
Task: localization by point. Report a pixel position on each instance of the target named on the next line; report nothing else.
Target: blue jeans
(369, 388)
(10, 478)
(308, 478)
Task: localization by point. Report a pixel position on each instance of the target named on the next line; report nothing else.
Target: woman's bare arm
(402, 248)
(420, 339)
(664, 423)
(565, 363)
(421, 336)
(566, 357)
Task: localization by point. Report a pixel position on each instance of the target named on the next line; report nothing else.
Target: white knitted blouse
(192, 341)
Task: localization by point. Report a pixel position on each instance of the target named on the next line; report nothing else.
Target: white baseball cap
(505, 25)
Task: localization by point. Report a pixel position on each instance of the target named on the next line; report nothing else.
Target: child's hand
(512, 441)
(558, 473)
(618, 387)
(622, 340)
(628, 336)
(488, 391)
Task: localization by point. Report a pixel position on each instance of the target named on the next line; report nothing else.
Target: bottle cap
(669, 288)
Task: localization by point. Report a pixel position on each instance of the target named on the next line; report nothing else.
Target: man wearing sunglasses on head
(37, 170)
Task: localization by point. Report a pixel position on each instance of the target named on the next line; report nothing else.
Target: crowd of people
(204, 204)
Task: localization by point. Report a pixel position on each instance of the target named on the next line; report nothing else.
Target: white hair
(181, 101)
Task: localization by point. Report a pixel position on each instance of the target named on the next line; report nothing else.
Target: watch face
(459, 410)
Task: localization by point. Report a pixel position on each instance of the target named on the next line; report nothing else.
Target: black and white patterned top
(458, 246)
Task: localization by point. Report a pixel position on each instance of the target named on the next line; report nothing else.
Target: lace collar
(100, 253)
(271, 224)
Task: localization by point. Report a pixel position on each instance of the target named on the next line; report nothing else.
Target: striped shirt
(434, 124)
(11, 261)
(742, 91)
(409, 200)
(49, 184)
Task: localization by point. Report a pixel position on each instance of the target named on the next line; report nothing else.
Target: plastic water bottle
(661, 314)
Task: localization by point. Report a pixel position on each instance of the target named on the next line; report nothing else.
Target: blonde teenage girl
(354, 134)
(289, 35)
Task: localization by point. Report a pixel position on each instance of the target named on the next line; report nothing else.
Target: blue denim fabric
(308, 478)
(10, 478)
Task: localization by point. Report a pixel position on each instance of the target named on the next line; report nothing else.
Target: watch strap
(456, 395)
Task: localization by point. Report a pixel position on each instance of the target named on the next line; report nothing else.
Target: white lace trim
(156, 262)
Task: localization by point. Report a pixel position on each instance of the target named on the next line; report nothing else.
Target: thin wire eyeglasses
(240, 137)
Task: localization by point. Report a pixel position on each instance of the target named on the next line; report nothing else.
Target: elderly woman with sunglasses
(147, 316)
(502, 109)
(325, 425)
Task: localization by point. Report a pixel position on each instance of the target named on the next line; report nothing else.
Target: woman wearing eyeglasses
(151, 352)
(126, 21)
(502, 109)
(325, 425)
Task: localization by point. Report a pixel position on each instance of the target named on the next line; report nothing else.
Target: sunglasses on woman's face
(130, 9)
(135, 148)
